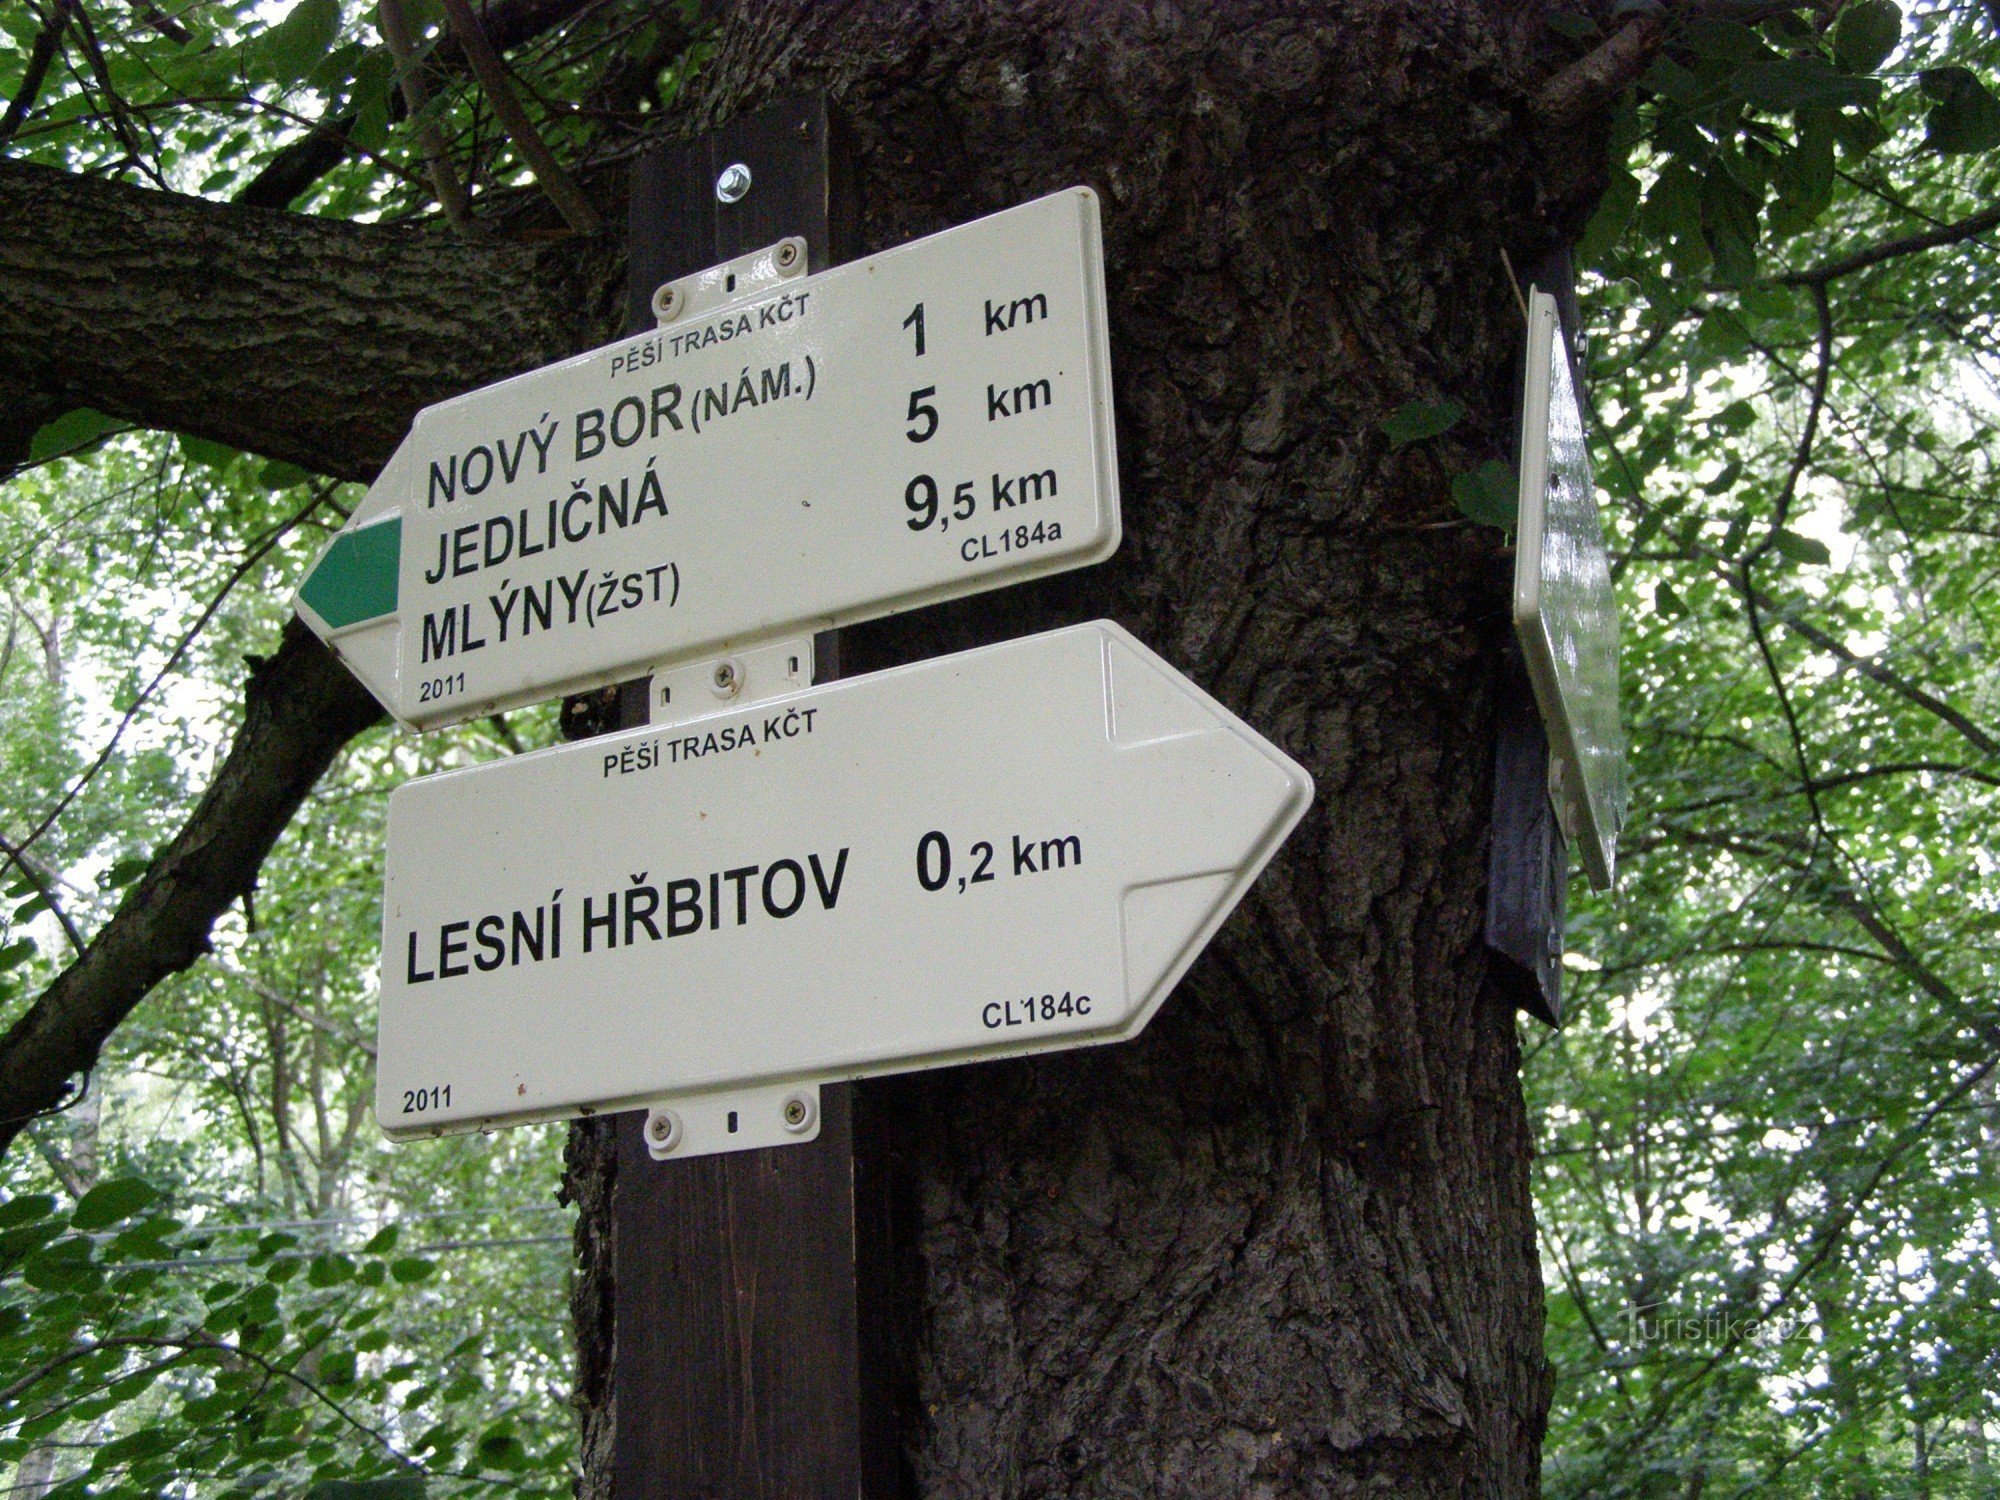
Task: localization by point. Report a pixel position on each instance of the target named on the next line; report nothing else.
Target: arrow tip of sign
(1238, 797)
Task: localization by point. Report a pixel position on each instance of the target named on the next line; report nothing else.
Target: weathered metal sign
(1564, 610)
(784, 453)
(1011, 850)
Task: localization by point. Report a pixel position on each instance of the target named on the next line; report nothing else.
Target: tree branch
(492, 75)
(1872, 669)
(451, 194)
(37, 71)
(301, 708)
(299, 338)
(1967, 228)
(1601, 75)
(301, 164)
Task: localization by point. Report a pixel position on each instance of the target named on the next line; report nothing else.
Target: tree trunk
(1283, 1243)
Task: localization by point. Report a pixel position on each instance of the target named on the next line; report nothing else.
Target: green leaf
(65, 1266)
(279, 475)
(124, 872)
(296, 44)
(1729, 215)
(147, 1442)
(383, 1241)
(1607, 226)
(337, 1368)
(18, 951)
(410, 1270)
(270, 1244)
(1790, 83)
(202, 451)
(25, 1209)
(329, 1269)
(108, 1202)
(392, 1487)
(1489, 495)
(1416, 420)
(1737, 416)
(70, 432)
(1966, 116)
(499, 1448)
(1667, 601)
(1803, 175)
(1801, 549)
(1858, 132)
(1727, 41)
(1866, 33)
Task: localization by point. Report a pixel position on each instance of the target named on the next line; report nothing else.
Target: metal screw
(795, 1112)
(725, 677)
(663, 1130)
(788, 255)
(667, 303)
(733, 183)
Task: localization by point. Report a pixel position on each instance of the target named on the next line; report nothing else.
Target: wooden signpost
(738, 1353)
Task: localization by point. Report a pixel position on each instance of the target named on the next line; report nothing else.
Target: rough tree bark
(311, 340)
(1282, 1244)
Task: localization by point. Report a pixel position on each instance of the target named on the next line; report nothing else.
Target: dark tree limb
(301, 707)
(1602, 74)
(484, 60)
(300, 338)
(1970, 227)
(33, 76)
(451, 195)
(301, 164)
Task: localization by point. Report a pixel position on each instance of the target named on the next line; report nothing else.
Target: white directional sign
(1013, 849)
(784, 454)
(1564, 611)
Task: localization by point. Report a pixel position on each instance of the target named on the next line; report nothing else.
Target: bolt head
(733, 183)
(788, 255)
(725, 676)
(666, 302)
(659, 1127)
(795, 1112)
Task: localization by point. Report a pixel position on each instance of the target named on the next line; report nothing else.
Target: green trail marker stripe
(356, 579)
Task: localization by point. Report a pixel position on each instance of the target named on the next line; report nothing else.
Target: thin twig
(1802, 454)
(236, 576)
(1967, 228)
(46, 890)
(32, 77)
(451, 194)
(121, 124)
(492, 75)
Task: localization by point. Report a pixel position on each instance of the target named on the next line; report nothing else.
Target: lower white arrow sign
(1012, 850)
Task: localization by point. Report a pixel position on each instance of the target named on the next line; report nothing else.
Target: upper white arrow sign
(784, 454)
(1014, 849)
